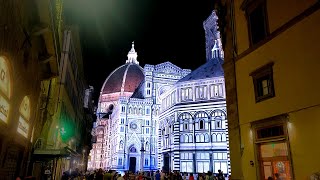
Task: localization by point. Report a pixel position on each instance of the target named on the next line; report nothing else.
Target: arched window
(219, 137)
(5, 89)
(23, 125)
(197, 138)
(224, 138)
(218, 124)
(121, 145)
(120, 161)
(186, 138)
(201, 124)
(182, 138)
(133, 149)
(206, 138)
(190, 138)
(201, 138)
(214, 138)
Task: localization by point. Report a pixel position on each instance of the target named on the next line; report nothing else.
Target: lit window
(263, 82)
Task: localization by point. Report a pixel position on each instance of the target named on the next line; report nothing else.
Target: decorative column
(194, 158)
(142, 154)
(211, 162)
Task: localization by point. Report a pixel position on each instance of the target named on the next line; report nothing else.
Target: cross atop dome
(132, 55)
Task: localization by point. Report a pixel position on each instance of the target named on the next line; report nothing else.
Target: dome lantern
(132, 55)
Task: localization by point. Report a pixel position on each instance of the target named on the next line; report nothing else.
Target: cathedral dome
(126, 78)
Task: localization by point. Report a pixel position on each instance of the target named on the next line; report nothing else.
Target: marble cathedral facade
(164, 117)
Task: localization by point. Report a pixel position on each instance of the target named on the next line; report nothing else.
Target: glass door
(274, 161)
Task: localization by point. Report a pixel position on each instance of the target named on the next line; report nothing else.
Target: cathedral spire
(217, 51)
(213, 40)
(132, 55)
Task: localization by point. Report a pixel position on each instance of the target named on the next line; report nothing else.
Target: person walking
(220, 175)
(191, 177)
(157, 176)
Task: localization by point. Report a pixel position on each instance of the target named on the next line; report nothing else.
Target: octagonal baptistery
(122, 82)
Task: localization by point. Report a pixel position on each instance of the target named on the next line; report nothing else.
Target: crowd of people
(151, 175)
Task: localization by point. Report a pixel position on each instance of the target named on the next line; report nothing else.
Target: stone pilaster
(230, 51)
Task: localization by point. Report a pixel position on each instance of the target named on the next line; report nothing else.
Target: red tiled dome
(125, 78)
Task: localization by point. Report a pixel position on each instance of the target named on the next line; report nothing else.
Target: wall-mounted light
(251, 163)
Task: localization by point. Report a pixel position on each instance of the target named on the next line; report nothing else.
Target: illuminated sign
(4, 109)
(4, 77)
(25, 108)
(23, 127)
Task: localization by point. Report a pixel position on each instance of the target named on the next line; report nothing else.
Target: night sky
(163, 30)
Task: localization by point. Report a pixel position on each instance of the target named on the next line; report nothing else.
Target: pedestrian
(120, 177)
(220, 175)
(157, 176)
(191, 176)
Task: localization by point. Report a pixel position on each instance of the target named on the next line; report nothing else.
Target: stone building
(22, 39)
(271, 62)
(193, 134)
(34, 103)
(163, 116)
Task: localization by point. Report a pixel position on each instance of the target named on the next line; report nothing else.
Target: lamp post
(83, 165)
(142, 154)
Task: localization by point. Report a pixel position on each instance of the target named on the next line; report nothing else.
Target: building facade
(270, 59)
(26, 35)
(163, 116)
(193, 124)
(62, 145)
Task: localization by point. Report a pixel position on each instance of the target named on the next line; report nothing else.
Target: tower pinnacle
(132, 55)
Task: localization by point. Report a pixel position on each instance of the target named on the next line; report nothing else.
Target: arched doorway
(132, 159)
(166, 162)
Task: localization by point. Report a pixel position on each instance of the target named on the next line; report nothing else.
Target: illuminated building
(143, 113)
(23, 40)
(193, 123)
(62, 144)
(271, 71)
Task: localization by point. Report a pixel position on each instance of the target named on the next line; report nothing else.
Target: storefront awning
(55, 153)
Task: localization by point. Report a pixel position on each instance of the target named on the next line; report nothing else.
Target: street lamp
(142, 154)
(83, 151)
